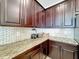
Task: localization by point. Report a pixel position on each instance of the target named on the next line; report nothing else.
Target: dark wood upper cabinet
(61, 15)
(55, 16)
(22, 13)
(29, 13)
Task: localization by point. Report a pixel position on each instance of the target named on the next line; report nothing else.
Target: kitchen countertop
(9, 51)
(64, 40)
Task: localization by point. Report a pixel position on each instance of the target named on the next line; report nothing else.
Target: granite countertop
(64, 40)
(11, 50)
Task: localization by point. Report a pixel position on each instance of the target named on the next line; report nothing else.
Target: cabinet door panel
(68, 15)
(11, 11)
(54, 52)
(49, 18)
(38, 15)
(28, 13)
(68, 54)
(57, 16)
(42, 19)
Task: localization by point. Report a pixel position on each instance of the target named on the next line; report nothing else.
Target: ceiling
(48, 3)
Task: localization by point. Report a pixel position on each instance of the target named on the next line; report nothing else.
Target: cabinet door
(68, 15)
(38, 15)
(49, 22)
(28, 12)
(42, 19)
(35, 54)
(54, 52)
(58, 11)
(77, 5)
(11, 12)
(33, 13)
(68, 54)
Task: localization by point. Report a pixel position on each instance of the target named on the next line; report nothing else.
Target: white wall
(13, 34)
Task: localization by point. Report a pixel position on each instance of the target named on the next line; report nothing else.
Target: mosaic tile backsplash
(13, 34)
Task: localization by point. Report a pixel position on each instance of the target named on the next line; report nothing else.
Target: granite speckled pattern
(64, 40)
(11, 50)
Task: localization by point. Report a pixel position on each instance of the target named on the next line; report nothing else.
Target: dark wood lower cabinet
(54, 52)
(51, 50)
(59, 50)
(68, 54)
(69, 51)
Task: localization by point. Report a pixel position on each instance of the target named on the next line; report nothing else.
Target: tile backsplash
(59, 32)
(13, 34)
